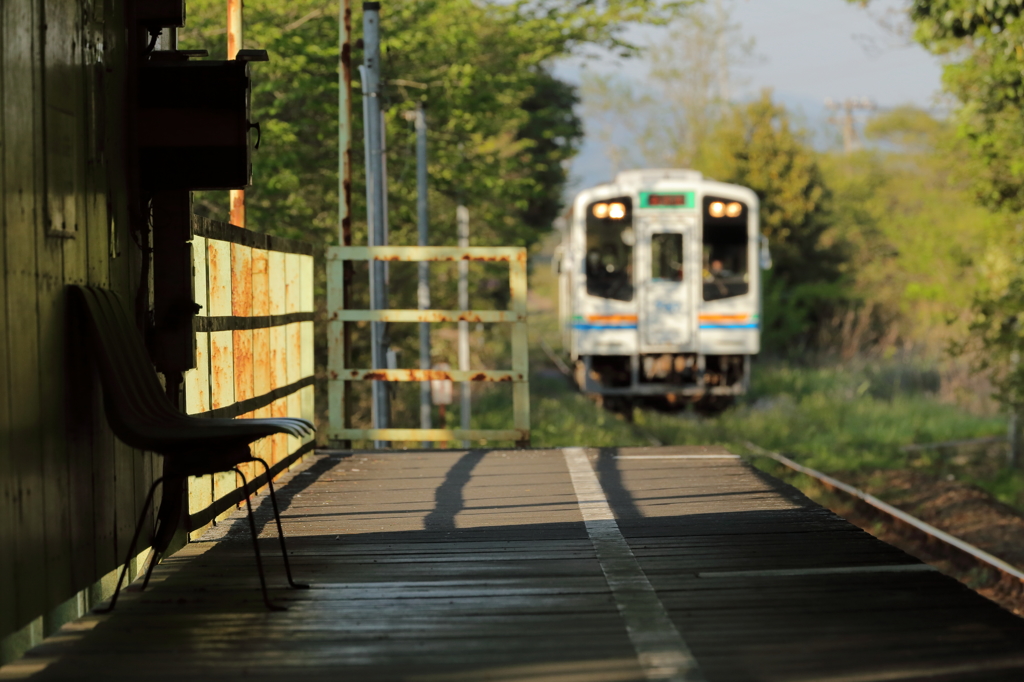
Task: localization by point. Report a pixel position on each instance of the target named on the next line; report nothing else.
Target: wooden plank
(63, 127)
(114, 466)
(67, 81)
(89, 539)
(197, 380)
(277, 279)
(222, 372)
(293, 304)
(242, 340)
(8, 509)
(22, 188)
(307, 396)
(222, 377)
(262, 383)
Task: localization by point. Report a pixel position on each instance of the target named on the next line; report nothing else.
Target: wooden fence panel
(260, 335)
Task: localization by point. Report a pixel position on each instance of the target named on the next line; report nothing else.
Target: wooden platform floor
(504, 565)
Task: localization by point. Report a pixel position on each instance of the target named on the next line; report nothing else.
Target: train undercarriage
(664, 380)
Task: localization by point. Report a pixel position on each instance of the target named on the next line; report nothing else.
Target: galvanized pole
(236, 196)
(1013, 425)
(423, 289)
(375, 202)
(1013, 438)
(462, 219)
(345, 190)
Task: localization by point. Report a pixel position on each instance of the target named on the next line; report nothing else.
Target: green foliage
(939, 19)
(982, 42)
(756, 145)
(985, 72)
(916, 241)
(501, 126)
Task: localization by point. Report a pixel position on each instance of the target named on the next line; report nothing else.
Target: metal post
(375, 201)
(423, 288)
(462, 219)
(345, 191)
(1013, 423)
(236, 196)
(1013, 438)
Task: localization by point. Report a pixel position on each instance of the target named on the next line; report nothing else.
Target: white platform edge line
(660, 649)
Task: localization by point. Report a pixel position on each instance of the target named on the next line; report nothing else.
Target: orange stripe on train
(611, 318)
(742, 317)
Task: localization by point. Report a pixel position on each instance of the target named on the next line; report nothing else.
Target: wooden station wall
(69, 491)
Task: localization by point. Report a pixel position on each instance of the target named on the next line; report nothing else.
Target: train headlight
(616, 211)
(733, 209)
(600, 211)
(717, 209)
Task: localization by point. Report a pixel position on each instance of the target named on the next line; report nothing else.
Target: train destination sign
(667, 200)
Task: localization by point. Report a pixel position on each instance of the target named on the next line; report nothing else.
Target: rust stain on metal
(374, 376)
(483, 377)
(334, 375)
(486, 259)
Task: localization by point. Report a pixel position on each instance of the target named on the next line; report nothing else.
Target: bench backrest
(132, 394)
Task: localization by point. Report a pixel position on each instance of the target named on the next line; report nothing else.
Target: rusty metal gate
(339, 375)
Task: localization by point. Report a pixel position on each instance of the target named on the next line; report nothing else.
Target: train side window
(610, 239)
(667, 257)
(726, 244)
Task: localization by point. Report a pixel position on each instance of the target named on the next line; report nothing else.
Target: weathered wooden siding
(69, 492)
(255, 346)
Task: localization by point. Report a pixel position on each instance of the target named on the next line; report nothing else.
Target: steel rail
(926, 528)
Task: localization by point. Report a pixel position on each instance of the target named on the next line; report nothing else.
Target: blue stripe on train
(588, 327)
(729, 326)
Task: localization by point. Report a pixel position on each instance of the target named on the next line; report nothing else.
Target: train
(659, 287)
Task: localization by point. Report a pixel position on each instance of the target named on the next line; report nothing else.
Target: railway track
(987, 574)
(978, 569)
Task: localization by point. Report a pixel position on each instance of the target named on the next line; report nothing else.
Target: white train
(660, 288)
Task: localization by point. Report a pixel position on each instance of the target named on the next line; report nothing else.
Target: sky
(806, 51)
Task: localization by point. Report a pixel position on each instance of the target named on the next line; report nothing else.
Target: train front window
(667, 257)
(726, 244)
(610, 240)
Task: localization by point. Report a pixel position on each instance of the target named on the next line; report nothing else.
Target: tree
(982, 42)
(669, 116)
(756, 145)
(501, 125)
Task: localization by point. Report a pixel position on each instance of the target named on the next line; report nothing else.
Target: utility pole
(236, 196)
(423, 289)
(375, 203)
(345, 188)
(845, 119)
(462, 220)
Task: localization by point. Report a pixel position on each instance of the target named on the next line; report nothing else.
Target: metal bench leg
(131, 548)
(256, 546)
(280, 530)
